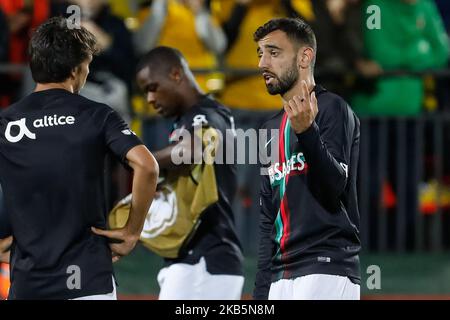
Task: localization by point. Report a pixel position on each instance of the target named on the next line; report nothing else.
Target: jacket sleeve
(266, 246)
(326, 146)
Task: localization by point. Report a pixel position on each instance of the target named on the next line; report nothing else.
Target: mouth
(158, 108)
(268, 77)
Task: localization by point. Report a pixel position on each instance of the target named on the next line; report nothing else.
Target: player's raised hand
(302, 109)
(122, 241)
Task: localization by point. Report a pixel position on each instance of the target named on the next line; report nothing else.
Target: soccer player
(210, 266)
(52, 149)
(309, 218)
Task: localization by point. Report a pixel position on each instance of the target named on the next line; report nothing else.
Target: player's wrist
(306, 132)
(131, 234)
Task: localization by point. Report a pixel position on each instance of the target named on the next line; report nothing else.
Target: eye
(152, 88)
(273, 53)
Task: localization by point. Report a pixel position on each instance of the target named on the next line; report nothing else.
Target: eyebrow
(150, 86)
(268, 46)
(272, 46)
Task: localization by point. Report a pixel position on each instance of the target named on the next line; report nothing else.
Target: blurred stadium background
(396, 78)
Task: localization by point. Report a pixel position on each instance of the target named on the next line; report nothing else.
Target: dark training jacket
(309, 221)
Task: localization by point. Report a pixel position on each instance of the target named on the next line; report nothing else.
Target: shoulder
(100, 114)
(17, 107)
(208, 112)
(7, 111)
(272, 121)
(333, 107)
(330, 103)
(92, 106)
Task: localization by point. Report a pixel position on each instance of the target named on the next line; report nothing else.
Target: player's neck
(48, 86)
(192, 98)
(296, 90)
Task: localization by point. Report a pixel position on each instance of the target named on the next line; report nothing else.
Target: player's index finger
(314, 101)
(305, 93)
(287, 108)
(107, 233)
(294, 106)
(298, 101)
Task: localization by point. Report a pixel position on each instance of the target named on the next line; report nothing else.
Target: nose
(263, 62)
(150, 97)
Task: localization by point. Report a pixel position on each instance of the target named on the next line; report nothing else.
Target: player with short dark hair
(210, 264)
(299, 32)
(53, 145)
(309, 219)
(56, 50)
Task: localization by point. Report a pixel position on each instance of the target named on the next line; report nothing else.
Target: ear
(74, 72)
(305, 57)
(176, 74)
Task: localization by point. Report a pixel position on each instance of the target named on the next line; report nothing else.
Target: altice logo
(47, 121)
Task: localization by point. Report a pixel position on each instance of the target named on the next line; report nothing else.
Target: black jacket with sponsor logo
(309, 221)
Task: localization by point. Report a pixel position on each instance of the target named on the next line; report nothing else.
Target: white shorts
(109, 296)
(181, 281)
(315, 287)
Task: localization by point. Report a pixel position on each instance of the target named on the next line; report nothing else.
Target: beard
(285, 82)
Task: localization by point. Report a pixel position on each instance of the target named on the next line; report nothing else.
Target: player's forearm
(174, 156)
(5, 245)
(144, 188)
(164, 158)
(328, 171)
(4, 257)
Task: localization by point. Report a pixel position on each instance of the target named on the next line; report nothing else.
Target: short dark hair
(161, 59)
(295, 28)
(55, 50)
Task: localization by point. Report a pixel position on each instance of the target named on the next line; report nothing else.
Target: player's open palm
(302, 109)
(122, 242)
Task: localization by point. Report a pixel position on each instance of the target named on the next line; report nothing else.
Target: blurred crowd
(398, 69)
(378, 71)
